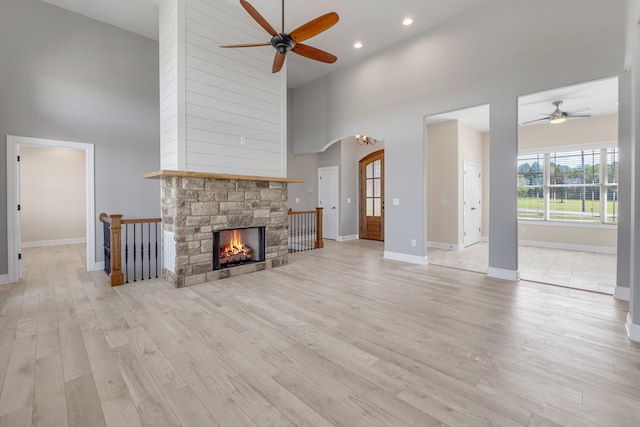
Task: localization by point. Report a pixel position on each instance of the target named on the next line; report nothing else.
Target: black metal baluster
(300, 236)
(126, 252)
(149, 249)
(106, 228)
(308, 230)
(134, 252)
(156, 249)
(142, 250)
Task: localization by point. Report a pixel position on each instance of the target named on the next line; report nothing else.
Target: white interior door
(328, 191)
(472, 203)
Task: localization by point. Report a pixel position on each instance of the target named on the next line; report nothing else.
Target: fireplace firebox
(238, 246)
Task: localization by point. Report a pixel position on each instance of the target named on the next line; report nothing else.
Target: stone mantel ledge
(165, 173)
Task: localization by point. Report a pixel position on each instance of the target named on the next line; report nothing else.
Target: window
(569, 186)
(374, 188)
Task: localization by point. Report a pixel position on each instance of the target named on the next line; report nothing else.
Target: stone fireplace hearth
(194, 205)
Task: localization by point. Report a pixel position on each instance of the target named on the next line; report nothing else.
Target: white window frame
(604, 185)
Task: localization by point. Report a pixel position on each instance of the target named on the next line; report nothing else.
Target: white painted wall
(52, 195)
(431, 73)
(223, 111)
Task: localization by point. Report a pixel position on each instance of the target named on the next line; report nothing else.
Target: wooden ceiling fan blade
(278, 62)
(246, 45)
(314, 53)
(258, 18)
(314, 27)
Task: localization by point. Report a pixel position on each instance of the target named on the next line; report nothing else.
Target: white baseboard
(622, 293)
(97, 266)
(4, 279)
(633, 329)
(445, 246)
(413, 259)
(500, 273)
(570, 247)
(54, 242)
(347, 238)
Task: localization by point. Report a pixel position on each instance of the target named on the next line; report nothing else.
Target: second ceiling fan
(558, 116)
(291, 42)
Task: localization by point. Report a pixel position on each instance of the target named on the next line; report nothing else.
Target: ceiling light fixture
(407, 22)
(557, 120)
(357, 45)
(365, 140)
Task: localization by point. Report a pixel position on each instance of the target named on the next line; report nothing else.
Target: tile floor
(581, 270)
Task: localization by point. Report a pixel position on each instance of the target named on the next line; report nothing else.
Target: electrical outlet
(349, 200)
(297, 199)
(413, 242)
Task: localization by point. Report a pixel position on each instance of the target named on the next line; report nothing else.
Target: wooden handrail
(319, 243)
(115, 221)
(141, 220)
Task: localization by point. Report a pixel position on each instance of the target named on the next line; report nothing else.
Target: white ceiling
(601, 97)
(376, 24)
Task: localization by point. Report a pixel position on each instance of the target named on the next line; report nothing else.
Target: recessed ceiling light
(357, 45)
(407, 21)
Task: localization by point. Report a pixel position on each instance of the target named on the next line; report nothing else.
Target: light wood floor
(338, 337)
(589, 271)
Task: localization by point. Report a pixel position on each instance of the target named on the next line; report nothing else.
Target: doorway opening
(14, 144)
(568, 163)
(457, 164)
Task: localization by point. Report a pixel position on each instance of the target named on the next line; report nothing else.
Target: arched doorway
(372, 196)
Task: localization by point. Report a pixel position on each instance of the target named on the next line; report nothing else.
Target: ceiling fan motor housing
(282, 42)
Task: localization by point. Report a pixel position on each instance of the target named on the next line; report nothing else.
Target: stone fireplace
(195, 206)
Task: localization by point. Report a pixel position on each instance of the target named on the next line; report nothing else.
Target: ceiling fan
(559, 116)
(291, 42)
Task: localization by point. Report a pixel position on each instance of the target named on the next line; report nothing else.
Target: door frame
(13, 232)
(464, 206)
(337, 192)
(361, 207)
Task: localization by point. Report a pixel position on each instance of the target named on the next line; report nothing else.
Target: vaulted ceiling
(376, 25)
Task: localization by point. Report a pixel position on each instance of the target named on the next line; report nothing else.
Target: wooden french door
(372, 196)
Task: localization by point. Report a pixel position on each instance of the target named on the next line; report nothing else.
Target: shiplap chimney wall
(222, 110)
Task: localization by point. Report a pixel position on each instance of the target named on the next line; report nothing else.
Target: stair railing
(305, 230)
(130, 245)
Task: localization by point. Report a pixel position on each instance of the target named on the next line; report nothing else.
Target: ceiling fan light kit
(291, 42)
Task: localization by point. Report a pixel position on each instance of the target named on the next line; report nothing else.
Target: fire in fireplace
(238, 246)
